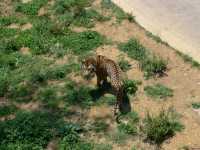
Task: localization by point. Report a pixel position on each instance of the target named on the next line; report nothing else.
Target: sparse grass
(158, 91)
(119, 137)
(100, 126)
(189, 60)
(7, 110)
(196, 105)
(127, 128)
(151, 65)
(156, 38)
(30, 8)
(162, 126)
(124, 65)
(117, 12)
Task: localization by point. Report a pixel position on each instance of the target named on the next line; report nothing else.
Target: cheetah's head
(89, 68)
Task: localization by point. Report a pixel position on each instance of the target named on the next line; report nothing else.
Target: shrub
(158, 91)
(153, 66)
(134, 49)
(30, 8)
(196, 105)
(35, 128)
(124, 65)
(158, 128)
(130, 86)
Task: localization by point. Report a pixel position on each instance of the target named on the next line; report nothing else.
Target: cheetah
(103, 68)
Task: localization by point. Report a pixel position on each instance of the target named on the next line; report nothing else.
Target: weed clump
(160, 127)
(100, 126)
(158, 91)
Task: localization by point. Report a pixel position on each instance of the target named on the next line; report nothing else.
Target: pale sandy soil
(175, 21)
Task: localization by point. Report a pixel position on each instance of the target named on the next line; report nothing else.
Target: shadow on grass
(96, 94)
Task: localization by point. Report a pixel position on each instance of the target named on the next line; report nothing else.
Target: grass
(78, 94)
(30, 8)
(134, 49)
(7, 110)
(34, 128)
(150, 65)
(119, 137)
(100, 126)
(162, 126)
(196, 105)
(156, 38)
(154, 66)
(189, 60)
(117, 12)
(131, 86)
(75, 13)
(158, 91)
(124, 65)
(127, 128)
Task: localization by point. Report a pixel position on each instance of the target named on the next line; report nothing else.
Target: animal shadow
(125, 106)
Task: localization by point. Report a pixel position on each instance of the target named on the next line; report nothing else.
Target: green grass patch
(81, 43)
(78, 94)
(158, 91)
(162, 126)
(196, 105)
(30, 8)
(7, 110)
(131, 86)
(124, 65)
(34, 128)
(134, 49)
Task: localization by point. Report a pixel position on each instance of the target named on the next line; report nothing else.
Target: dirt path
(176, 22)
